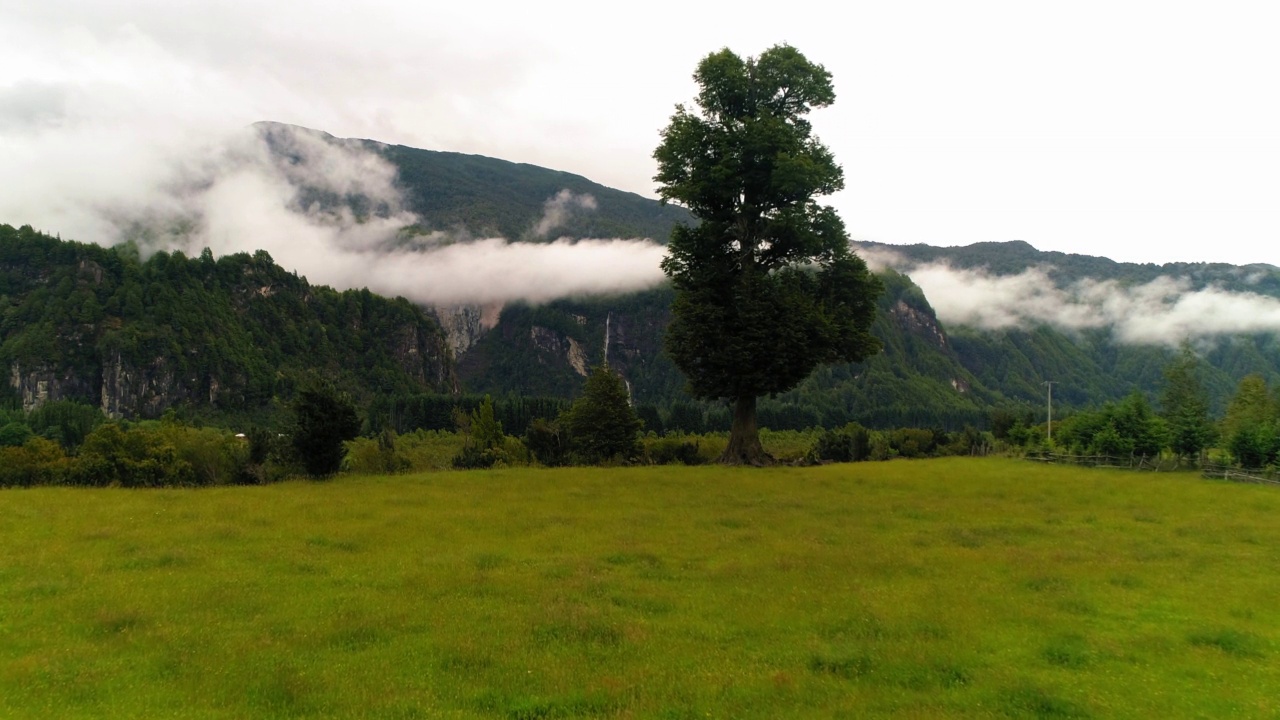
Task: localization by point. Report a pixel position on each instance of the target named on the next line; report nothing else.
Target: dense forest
(227, 336)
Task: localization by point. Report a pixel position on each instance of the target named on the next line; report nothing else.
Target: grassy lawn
(946, 588)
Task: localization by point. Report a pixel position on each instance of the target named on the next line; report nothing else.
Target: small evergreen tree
(323, 420)
(1186, 406)
(484, 437)
(602, 424)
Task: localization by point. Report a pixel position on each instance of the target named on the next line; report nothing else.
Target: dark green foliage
(485, 439)
(112, 456)
(36, 462)
(486, 431)
(1118, 429)
(1254, 446)
(851, 443)
(1252, 406)
(434, 411)
(65, 421)
(146, 454)
(488, 197)
(260, 445)
(324, 419)
(548, 442)
(1250, 425)
(602, 425)
(686, 418)
(1185, 406)
(15, 434)
(474, 457)
(914, 442)
(223, 338)
(672, 451)
(650, 419)
(766, 286)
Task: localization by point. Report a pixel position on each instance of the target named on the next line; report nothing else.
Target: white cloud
(1164, 311)
(956, 122)
(559, 208)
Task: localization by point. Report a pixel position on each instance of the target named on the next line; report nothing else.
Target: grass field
(946, 588)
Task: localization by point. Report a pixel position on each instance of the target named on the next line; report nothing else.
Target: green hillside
(480, 196)
(227, 335)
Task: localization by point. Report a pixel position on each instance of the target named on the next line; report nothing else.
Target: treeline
(1247, 433)
(67, 443)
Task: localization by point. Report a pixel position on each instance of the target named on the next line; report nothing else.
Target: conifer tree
(602, 425)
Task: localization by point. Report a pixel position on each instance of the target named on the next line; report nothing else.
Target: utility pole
(1049, 384)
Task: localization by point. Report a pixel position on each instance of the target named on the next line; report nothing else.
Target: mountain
(226, 337)
(1017, 256)
(231, 335)
(478, 196)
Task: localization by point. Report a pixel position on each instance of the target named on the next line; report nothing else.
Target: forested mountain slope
(228, 335)
(478, 196)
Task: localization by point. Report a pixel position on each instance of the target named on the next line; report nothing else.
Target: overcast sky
(1141, 131)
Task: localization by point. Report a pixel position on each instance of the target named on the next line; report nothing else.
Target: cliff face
(551, 348)
(41, 384)
(464, 325)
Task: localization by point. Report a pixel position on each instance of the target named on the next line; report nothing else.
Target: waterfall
(607, 318)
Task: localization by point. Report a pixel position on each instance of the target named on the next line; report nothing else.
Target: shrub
(548, 442)
(37, 462)
(672, 450)
(852, 443)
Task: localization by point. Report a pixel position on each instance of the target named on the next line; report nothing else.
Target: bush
(14, 434)
(548, 442)
(135, 457)
(852, 443)
(376, 455)
(37, 462)
(475, 458)
(672, 450)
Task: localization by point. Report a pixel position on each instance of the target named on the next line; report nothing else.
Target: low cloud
(1164, 311)
(559, 208)
(326, 208)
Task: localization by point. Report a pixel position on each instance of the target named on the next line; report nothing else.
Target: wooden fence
(1143, 462)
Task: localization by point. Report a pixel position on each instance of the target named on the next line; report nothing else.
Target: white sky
(1140, 131)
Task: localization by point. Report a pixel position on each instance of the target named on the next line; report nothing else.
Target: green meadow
(928, 589)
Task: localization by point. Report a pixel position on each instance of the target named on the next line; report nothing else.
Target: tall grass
(942, 588)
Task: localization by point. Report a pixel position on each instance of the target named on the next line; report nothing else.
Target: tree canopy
(767, 287)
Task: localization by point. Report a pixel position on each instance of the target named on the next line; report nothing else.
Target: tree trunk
(744, 437)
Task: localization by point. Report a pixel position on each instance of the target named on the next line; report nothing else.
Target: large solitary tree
(766, 285)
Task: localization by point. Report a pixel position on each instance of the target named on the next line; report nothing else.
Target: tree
(601, 423)
(1186, 405)
(323, 420)
(766, 285)
(1249, 408)
(1249, 425)
(484, 437)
